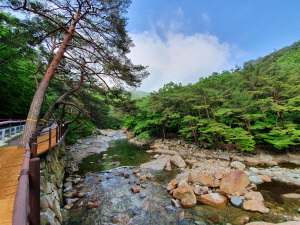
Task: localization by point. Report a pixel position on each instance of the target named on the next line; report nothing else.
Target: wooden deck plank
(11, 160)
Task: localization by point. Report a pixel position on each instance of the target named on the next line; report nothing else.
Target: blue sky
(183, 40)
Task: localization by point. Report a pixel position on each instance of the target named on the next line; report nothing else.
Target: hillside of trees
(256, 104)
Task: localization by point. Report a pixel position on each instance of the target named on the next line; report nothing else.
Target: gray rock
(176, 203)
(143, 195)
(253, 169)
(237, 165)
(68, 184)
(158, 164)
(255, 179)
(236, 201)
(178, 161)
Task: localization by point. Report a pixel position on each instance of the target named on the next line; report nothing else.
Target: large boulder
(234, 181)
(213, 199)
(255, 205)
(178, 161)
(158, 164)
(202, 178)
(185, 194)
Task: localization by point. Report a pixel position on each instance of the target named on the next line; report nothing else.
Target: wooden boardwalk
(11, 159)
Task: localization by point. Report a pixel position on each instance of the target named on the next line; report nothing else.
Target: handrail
(8, 131)
(27, 201)
(21, 204)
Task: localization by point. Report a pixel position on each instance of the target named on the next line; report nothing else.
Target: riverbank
(153, 191)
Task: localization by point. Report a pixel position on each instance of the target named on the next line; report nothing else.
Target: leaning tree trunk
(55, 106)
(39, 95)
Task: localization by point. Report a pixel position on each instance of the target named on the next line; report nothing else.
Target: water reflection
(121, 153)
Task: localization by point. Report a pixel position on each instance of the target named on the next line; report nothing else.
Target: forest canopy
(256, 104)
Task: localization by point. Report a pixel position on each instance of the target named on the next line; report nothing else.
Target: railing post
(50, 137)
(60, 132)
(56, 136)
(34, 150)
(2, 134)
(34, 191)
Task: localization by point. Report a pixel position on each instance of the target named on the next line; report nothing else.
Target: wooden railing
(27, 201)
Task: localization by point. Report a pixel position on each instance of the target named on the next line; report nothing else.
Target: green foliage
(256, 104)
(16, 68)
(75, 134)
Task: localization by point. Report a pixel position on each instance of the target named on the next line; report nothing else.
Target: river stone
(238, 165)
(178, 161)
(252, 161)
(183, 176)
(254, 205)
(197, 190)
(253, 169)
(158, 164)
(68, 184)
(173, 183)
(266, 178)
(95, 150)
(44, 204)
(254, 195)
(92, 205)
(185, 194)
(255, 179)
(266, 223)
(241, 220)
(168, 169)
(202, 178)
(163, 151)
(68, 206)
(290, 198)
(70, 194)
(218, 173)
(213, 199)
(182, 182)
(135, 190)
(236, 201)
(176, 203)
(234, 181)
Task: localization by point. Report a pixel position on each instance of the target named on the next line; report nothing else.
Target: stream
(109, 199)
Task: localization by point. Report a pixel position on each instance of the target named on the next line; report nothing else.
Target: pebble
(135, 190)
(92, 205)
(143, 195)
(236, 201)
(68, 206)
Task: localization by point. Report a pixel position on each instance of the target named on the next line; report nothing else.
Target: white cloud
(180, 12)
(180, 58)
(206, 18)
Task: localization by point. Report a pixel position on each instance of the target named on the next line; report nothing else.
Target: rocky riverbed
(181, 185)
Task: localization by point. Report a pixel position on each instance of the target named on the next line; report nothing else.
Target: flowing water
(107, 186)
